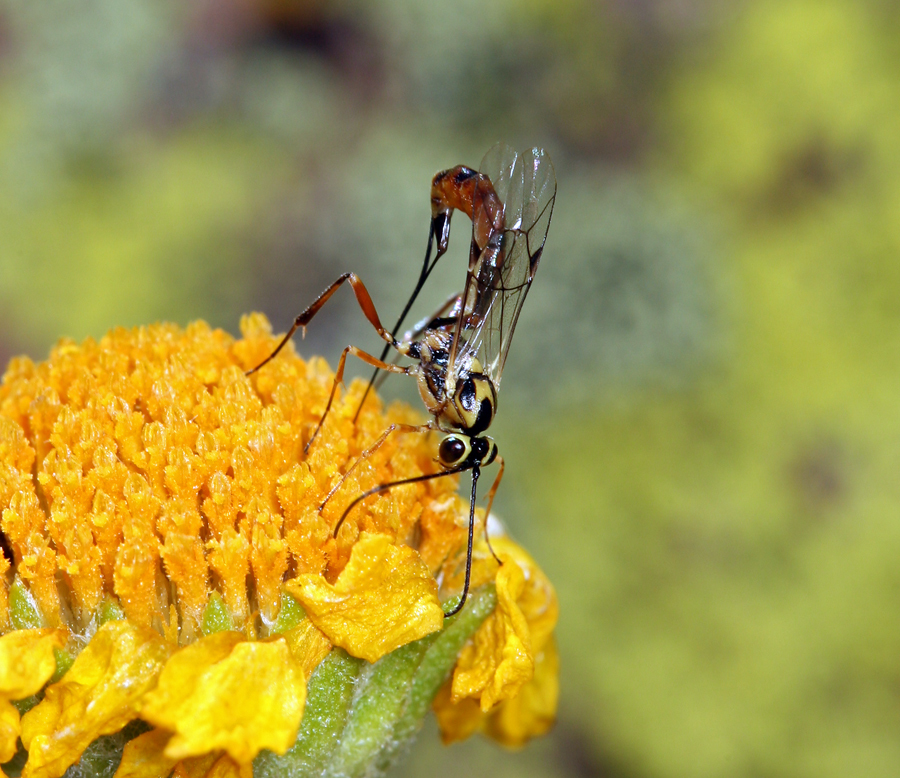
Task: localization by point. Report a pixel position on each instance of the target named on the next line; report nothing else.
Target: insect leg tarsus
(490, 503)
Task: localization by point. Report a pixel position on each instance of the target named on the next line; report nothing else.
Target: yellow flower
(166, 560)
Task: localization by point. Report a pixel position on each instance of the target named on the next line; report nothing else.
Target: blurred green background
(701, 413)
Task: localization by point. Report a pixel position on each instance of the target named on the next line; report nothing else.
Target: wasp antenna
(476, 471)
(384, 487)
(423, 277)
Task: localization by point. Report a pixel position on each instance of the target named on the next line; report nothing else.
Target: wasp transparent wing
(500, 274)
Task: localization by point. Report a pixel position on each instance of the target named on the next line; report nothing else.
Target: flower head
(168, 559)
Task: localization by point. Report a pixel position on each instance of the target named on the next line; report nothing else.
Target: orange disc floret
(148, 467)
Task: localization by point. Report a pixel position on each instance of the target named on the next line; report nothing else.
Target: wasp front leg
(490, 503)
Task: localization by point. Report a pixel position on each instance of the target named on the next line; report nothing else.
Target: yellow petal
(226, 767)
(499, 660)
(383, 599)
(496, 664)
(196, 767)
(308, 646)
(211, 767)
(143, 756)
(224, 692)
(506, 680)
(537, 600)
(9, 731)
(26, 664)
(533, 710)
(457, 720)
(98, 695)
(27, 661)
(513, 722)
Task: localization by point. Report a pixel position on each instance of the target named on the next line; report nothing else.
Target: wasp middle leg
(385, 487)
(368, 308)
(442, 317)
(339, 379)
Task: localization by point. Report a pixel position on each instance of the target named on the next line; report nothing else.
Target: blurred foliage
(736, 542)
(700, 413)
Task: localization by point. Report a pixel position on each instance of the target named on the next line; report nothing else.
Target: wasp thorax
(474, 403)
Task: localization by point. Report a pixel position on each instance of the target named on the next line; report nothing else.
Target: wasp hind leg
(368, 308)
(438, 224)
(339, 379)
(306, 316)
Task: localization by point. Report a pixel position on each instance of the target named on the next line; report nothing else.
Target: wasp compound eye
(484, 450)
(453, 451)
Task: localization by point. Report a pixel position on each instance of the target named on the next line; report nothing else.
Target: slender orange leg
(339, 379)
(420, 327)
(362, 297)
(490, 503)
(371, 450)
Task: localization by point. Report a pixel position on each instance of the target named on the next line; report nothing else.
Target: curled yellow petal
(533, 710)
(212, 767)
(225, 767)
(383, 599)
(499, 660)
(98, 695)
(457, 720)
(224, 692)
(27, 661)
(196, 767)
(506, 680)
(513, 722)
(537, 600)
(9, 730)
(143, 756)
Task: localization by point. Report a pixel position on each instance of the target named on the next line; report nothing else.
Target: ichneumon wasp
(458, 353)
